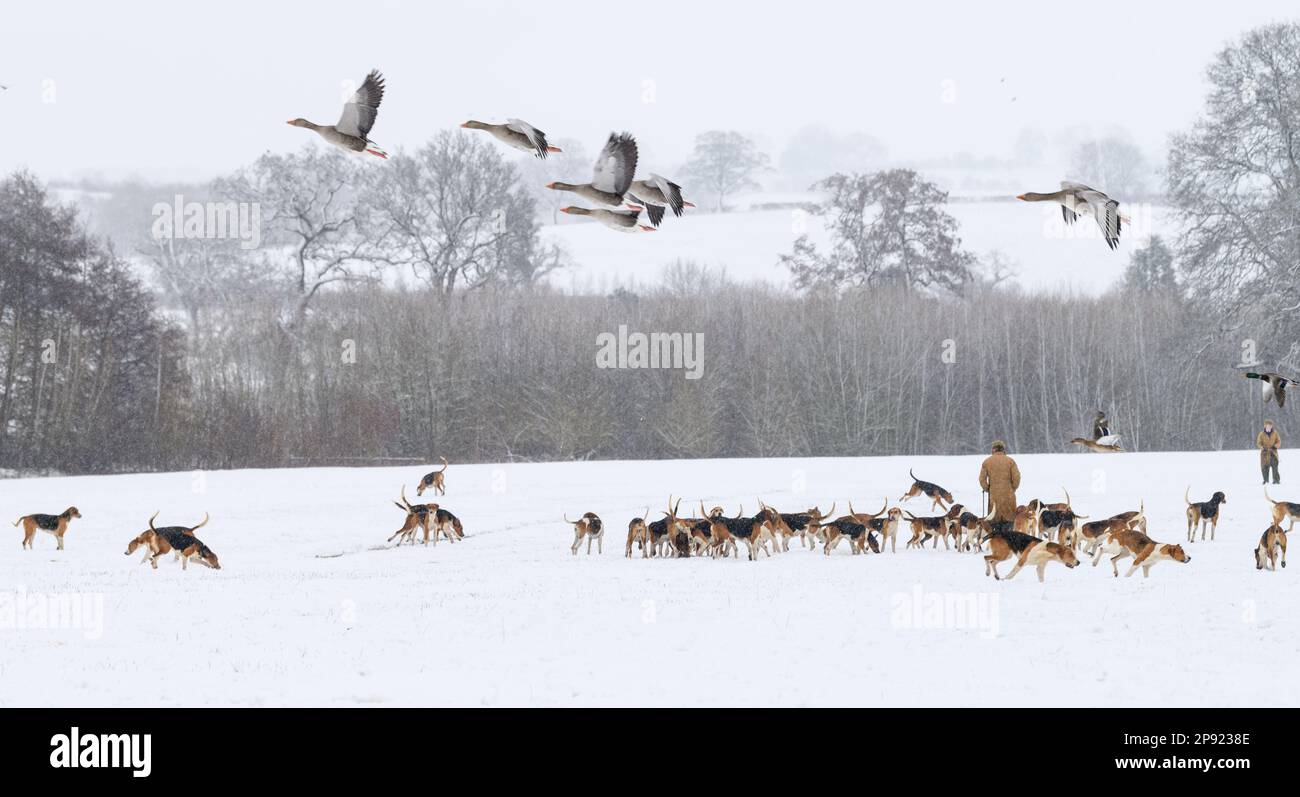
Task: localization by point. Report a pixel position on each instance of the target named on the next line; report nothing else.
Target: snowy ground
(312, 608)
(1047, 255)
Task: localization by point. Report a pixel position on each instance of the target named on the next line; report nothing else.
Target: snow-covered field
(312, 608)
(1047, 255)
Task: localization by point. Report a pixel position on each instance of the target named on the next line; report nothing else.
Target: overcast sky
(166, 90)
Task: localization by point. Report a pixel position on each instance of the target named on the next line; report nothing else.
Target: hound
(869, 519)
(1039, 509)
(808, 525)
(638, 534)
(1204, 513)
(50, 524)
(701, 536)
(1025, 520)
(1092, 535)
(1145, 552)
(589, 526)
(1062, 524)
(1283, 510)
(858, 534)
(424, 517)
(434, 480)
(887, 528)
(968, 529)
(1098, 448)
(1269, 543)
(924, 528)
(940, 496)
(662, 531)
(1137, 519)
(781, 530)
(180, 540)
(753, 531)
(1003, 544)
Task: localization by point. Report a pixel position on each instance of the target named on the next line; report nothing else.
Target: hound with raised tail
(1093, 534)
(436, 480)
(1004, 544)
(50, 524)
(662, 531)
(589, 526)
(808, 525)
(1272, 540)
(1282, 510)
(180, 540)
(1203, 514)
(885, 523)
(638, 534)
(753, 531)
(857, 533)
(1145, 551)
(940, 496)
(925, 528)
(432, 519)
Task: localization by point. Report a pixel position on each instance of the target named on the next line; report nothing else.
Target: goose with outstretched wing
(658, 194)
(352, 132)
(612, 176)
(1077, 199)
(518, 134)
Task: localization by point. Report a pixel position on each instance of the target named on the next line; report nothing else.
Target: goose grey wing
(535, 137)
(1107, 216)
(653, 211)
(359, 113)
(1069, 215)
(672, 193)
(1067, 185)
(616, 165)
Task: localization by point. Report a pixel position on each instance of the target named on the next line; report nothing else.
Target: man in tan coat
(1268, 442)
(999, 477)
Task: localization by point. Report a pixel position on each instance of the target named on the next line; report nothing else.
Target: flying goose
(621, 220)
(658, 193)
(1274, 386)
(518, 134)
(1076, 199)
(612, 176)
(358, 117)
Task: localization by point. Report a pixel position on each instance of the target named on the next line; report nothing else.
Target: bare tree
(309, 203)
(455, 214)
(1236, 177)
(1113, 164)
(888, 228)
(724, 162)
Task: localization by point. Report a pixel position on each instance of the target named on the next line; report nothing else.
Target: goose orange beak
(1020, 196)
(566, 210)
(551, 186)
(466, 124)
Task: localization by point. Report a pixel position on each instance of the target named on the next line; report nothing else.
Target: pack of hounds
(185, 546)
(1038, 534)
